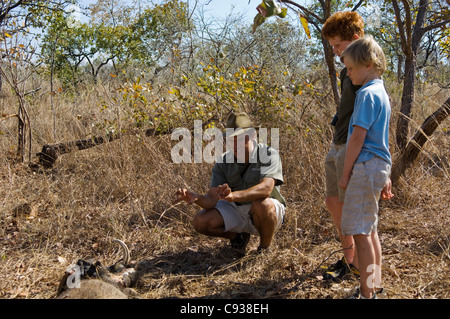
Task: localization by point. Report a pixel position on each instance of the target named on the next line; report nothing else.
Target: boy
(367, 161)
(341, 29)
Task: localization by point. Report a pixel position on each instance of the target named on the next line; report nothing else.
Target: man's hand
(386, 192)
(225, 193)
(184, 195)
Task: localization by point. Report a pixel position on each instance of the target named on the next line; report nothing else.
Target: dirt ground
(50, 219)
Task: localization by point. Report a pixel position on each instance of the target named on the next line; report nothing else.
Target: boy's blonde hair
(366, 51)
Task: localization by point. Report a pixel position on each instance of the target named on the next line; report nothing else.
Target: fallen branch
(414, 146)
(32, 91)
(50, 152)
(8, 117)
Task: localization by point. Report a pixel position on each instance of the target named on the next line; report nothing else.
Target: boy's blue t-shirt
(372, 112)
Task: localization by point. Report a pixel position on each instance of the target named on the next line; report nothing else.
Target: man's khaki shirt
(264, 161)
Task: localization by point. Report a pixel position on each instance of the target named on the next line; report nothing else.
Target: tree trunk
(329, 55)
(399, 67)
(20, 134)
(413, 148)
(23, 129)
(411, 34)
(402, 131)
(329, 59)
(327, 49)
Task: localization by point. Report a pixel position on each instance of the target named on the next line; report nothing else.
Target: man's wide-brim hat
(238, 124)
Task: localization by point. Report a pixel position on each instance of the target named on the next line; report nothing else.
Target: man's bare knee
(262, 207)
(204, 220)
(199, 221)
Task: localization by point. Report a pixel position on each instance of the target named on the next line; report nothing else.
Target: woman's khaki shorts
(360, 211)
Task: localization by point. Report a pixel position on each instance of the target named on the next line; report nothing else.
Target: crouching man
(244, 195)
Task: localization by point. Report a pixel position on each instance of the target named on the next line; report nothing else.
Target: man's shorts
(334, 165)
(360, 211)
(237, 217)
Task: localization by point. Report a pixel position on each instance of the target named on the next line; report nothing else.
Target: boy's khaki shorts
(360, 211)
(334, 165)
(237, 218)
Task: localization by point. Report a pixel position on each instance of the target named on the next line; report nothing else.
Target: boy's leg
(367, 263)
(334, 206)
(334, 164)
(360, 216)
(378, 259)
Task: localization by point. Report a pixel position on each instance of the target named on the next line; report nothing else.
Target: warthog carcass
(88, 279)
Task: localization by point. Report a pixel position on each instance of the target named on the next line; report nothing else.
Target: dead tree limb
(8, 117)
(414, 146)
(50, 152)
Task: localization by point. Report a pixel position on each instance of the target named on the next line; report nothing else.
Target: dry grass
(124, 189)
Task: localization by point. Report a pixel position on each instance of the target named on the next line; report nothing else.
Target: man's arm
(354, 146)
(207, 201)
(259, 191)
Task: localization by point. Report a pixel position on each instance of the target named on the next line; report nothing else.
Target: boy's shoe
(339, 270)
(357, 294)
(240, 242)
(262, 250)
(334, 269)
(354, 295)
(353, 270)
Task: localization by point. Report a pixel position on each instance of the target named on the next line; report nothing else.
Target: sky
(218, 8)
(222, 8)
